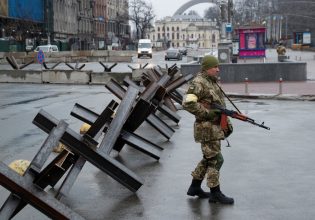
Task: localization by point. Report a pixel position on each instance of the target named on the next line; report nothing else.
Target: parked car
(173, 53)
(47, 48)
(183, 51)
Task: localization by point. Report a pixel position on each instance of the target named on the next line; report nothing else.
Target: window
(177, 28)
(173, 28)
(158, 28)
(177, 36)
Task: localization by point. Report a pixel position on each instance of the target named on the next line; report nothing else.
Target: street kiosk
(251, 42)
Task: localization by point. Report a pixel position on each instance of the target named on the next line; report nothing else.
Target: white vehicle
(213, 52)
(47, 48)
(144, 48)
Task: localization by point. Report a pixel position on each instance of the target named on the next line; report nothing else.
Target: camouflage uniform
(207, 129)
(281, 50)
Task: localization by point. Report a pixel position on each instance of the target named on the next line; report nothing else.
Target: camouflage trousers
(210, 164)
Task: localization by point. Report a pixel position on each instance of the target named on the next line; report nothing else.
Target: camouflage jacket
(281, 50)
(202, 92)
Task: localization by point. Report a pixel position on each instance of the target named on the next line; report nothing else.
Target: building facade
(62, 21)
(71, 24)
(185, 31)
(118, 29)
(100, 15)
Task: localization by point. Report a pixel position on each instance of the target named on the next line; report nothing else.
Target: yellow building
(185, 31)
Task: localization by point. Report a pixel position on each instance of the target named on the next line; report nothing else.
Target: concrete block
(20, 76)
(103, 78)
(256, 72)
(66, 76)
(119, 59)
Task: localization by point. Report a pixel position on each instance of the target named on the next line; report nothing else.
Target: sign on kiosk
(306, 38)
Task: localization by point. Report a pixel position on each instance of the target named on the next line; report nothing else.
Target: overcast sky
(164, 8)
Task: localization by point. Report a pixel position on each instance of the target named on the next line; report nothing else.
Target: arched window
(213, 38)
(177, 28)
(158, 28)
(173, 28)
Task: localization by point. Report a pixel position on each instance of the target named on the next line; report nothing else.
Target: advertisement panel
(4, 8)
(28, 10)
(306, 38)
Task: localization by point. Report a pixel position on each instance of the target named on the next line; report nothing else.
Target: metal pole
(286, 27)
(246, 86)
(280, 86)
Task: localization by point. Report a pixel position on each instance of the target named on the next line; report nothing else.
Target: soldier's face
(213, 71)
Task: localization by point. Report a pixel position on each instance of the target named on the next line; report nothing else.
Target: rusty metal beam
(98, 158)
(126, 137)
(33, 195)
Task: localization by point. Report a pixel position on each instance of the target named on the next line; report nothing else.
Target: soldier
(208, 130)
(281, 49)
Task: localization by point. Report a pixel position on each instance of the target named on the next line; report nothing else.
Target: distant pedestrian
(208, 130)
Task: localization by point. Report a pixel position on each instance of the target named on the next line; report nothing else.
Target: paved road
(269, 173)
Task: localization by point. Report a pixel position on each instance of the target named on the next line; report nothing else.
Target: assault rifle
(237, 115)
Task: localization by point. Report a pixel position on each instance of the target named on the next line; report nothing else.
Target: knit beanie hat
(209, 62)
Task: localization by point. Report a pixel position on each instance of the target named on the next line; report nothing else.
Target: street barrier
(256, 72)
(118, 123)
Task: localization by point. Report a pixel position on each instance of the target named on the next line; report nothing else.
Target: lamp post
(93, 22)
(164, 33)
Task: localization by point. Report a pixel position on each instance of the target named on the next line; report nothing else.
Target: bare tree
(212, 13)
(142, 15)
